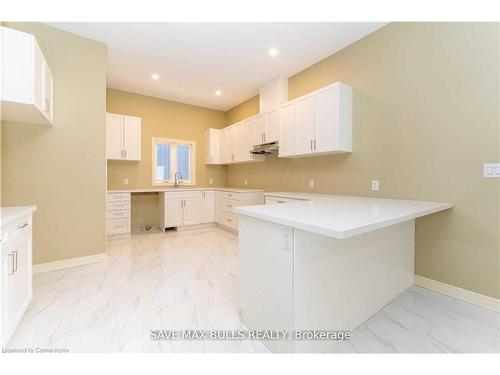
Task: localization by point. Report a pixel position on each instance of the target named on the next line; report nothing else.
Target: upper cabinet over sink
(123, 137)
(27, 81)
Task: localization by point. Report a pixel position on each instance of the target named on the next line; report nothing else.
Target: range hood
(265, 149)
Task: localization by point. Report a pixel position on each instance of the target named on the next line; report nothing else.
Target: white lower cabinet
(209, 206)
(179, 208)
(227, 200)
(118, 213)
(193, 211)
(17, 273)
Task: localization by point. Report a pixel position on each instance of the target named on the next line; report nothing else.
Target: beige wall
(426, 117)
(62, 168)
(164, 119)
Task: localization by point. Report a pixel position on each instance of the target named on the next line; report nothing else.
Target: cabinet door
(259, 130)
(304, 126)
(173, 213)
(213, 146)
(287, 129)
(327, 119)
(114, 136)
(20, 283)
(208, 206)
(193, 211)
(272, 126)
(230, 143)
(245, 144)
(132, 138)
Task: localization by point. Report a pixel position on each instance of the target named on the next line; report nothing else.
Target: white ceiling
(195, 59)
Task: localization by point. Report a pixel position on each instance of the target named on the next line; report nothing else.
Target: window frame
(173, 160)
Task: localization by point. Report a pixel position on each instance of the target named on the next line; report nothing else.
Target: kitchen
(340, 187)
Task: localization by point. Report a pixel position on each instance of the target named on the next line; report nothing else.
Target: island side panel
(340, 283)
(265, 255)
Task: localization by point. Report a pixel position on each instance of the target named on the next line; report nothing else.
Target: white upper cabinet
(287, 129)
(321, 123)
(123, 137)
(304, 124)
(259, 129)
(318, 123)
(272, 126)
(333, 124)
(213, 146)
(27, 81)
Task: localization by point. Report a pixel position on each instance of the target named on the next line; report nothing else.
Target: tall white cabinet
(27, 84)
(123, 137)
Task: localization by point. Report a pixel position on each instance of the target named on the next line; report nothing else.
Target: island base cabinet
(296, 280)
(266, 278)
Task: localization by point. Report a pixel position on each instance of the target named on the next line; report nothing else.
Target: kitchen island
(324, 262)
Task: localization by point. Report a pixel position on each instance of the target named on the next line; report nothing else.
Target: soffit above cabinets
(194, 60)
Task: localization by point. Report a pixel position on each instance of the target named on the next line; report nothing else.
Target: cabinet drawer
(125, 205)
(229, 219)
(229, 204)
(118, 214)
(116, 197)
(17, 229)
(230, 195)
(182, 194)
(118, 226)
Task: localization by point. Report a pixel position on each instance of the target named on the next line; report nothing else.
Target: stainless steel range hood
(265, 149)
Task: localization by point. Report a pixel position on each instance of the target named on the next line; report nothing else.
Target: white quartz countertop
(11, 214)
(340, 216)
(161, 190)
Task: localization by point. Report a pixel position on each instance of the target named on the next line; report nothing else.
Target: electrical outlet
(311, 183)
(125, 181)
(246, 181)
(491, 170)
(210, 181)
(375, 185)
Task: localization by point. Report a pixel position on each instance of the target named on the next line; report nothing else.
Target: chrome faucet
(177, 181)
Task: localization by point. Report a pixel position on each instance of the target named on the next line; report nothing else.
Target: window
(171, 156)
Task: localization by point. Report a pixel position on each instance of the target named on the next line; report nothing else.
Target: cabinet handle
(125, 152)
(15, 257)
(22, 226)
(11, 272)
(264, 137)
(311, 145)
(314, 145)
(47, 106)
(229, 220)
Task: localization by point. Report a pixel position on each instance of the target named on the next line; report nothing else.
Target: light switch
(210, 181)
(375, 185)
(311, 183)
(125, 181)
(491, 170)
(246, 181)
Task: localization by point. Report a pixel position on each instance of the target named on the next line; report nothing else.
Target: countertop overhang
(340, 216)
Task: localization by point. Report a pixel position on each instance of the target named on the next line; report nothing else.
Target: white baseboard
(68, 263)
(459, 293)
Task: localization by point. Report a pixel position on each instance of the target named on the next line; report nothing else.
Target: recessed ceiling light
(273, 52)
(155, 76)
(218, 93)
